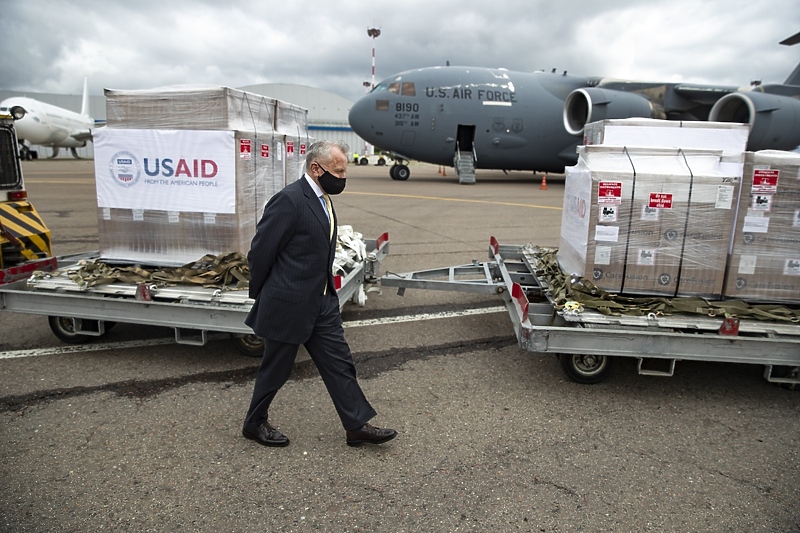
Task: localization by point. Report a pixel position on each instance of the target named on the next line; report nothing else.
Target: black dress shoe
(369, 434)
(265, 434)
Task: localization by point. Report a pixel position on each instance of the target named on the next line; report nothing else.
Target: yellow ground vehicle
(24, 237)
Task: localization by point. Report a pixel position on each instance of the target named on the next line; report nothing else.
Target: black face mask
(330, 183)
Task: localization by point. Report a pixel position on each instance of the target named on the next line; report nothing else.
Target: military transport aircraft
(472, 117)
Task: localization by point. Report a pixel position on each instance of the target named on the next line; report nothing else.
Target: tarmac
(132, 432)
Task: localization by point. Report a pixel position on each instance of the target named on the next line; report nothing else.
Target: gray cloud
(51, 45)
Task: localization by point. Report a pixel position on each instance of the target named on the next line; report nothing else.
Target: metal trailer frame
(191, 310)
(587, 342)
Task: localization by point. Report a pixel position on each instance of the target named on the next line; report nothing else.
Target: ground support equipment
(78, 313)
(587, 342)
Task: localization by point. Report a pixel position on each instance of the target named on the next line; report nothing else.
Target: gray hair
(321, 151)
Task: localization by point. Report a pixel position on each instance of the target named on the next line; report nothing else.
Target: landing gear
(399, 172)
(26, 153)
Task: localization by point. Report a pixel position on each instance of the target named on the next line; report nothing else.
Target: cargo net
(224, 271)
(571, 294)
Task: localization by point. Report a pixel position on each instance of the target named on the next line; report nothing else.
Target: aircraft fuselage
(49, 125)
(509, 120)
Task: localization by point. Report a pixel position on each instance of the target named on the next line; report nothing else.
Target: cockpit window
(394, 87)
(408, 89)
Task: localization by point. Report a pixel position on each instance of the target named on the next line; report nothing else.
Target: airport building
(327, 112)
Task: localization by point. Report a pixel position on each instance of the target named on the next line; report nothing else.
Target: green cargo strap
(228, 270)
(563, 290)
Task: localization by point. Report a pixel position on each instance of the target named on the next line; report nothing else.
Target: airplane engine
(774, 120)
(592, 104)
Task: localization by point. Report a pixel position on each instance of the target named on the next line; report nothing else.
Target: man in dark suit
(291, 280)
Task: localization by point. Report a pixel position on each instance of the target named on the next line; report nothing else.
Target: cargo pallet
(77, 314)
(587, 342)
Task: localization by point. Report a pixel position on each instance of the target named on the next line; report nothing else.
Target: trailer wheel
(64, 329)
(586, 369)
(250, 345)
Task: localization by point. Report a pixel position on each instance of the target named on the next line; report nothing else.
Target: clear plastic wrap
(154, 175)
(765, 258)
(648, 221)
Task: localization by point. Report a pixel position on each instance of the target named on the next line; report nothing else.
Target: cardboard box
(661, 226)
(765, 257)
(185, 172)
(188, 107)
(729, 137)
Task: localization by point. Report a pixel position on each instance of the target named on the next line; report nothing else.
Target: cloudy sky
(51, 45)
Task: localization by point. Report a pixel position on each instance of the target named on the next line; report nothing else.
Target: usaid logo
(664, 279)
(124, 168)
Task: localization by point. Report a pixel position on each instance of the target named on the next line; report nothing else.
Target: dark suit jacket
(291, 260)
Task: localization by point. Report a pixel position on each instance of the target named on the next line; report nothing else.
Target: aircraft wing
(676, 101)
(771, 110)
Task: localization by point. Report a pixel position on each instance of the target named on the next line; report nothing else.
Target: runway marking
(79, 348)
(423, 316)
(463, 200)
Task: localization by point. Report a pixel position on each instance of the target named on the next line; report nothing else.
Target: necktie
(329, 209)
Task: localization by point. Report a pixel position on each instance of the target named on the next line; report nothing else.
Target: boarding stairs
(464, 163)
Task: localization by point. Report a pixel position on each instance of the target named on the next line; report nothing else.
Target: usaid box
(648, 221)
(179, 176)
(172, 196)
(189, 107)
(765, 257)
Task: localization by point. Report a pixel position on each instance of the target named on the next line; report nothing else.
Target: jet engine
(774, 120)
(592, 104)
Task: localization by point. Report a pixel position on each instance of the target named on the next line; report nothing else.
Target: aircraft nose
(361, 119)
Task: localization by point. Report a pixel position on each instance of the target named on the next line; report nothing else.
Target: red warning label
(660, 200)
(609, 192)
(765, 181)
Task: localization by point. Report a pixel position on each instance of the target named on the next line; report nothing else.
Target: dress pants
(331, 355)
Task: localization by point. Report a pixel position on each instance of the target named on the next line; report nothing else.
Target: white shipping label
(138, 214)
(747, 264)
(607, 213)
(106, 213)
(796, 221)
(173, 217)
(762, 203)
(724, 197)
(650, 214)
(602, 255)
(792, 267)
(606, 234)
(209, 218)
(754, 224)
(166, 170)
(647, 257)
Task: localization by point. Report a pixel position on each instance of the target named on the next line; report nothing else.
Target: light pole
(374, 33)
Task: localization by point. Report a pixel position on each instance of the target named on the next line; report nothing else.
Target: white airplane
(49, 125)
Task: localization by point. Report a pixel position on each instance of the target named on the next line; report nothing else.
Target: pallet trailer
(587, 342)
(77, 314)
